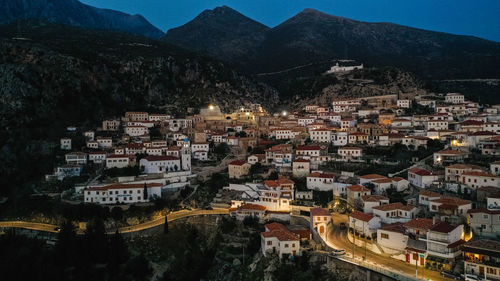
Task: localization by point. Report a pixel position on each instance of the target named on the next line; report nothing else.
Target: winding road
(128, 229)
(337, 238)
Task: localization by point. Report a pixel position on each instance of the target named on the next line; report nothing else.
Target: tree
(117, 213)
(139, 268)
(118, 252)
(146, 196)
(221, 150)
(165, 226)
(66, 243)
(96, 241)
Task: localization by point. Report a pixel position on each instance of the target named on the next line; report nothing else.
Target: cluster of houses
(445, 193)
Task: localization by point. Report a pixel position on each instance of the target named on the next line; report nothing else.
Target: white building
(444, 239)
(345, 66)
(392, 236)
(65, 144)
(104, 142)
(395, 212)
(76, 158)
(160, 164)
(119, 193)
(97, 157)
(280, 240)
(319, 219)
(454, 98)
(119, 161)
(66, 171)
(421, 178)
(476, 179)
(135, 131)
(321, 135)
(370, 201)
(350, 153)
(320, 181)
(404, 103)
(364, 223)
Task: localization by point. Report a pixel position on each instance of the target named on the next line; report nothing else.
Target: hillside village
(413, 178)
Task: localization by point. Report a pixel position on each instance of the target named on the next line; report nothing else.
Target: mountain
(75, 13)
(219, 29)
(312, 36)
(62, 76)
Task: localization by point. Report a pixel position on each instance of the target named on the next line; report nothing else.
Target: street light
(284, 113)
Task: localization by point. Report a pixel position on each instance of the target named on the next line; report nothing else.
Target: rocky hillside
(69, 76)
(73, 12)
(322, 89)
(313, 36)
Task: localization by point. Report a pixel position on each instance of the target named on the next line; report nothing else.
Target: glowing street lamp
(211, 107)
(284, 113)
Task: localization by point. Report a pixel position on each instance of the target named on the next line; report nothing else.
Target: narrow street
(337, 239)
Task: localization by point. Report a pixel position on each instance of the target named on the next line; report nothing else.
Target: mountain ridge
(75, 13)
(312, 36)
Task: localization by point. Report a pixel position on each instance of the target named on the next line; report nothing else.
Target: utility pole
(364, 234)
(416, 266)
(353, 238)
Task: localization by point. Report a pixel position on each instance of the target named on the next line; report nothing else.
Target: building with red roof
(121, 193)
(280, 240)
(364, 223)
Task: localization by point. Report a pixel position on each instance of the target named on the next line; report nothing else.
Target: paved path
(143, 226)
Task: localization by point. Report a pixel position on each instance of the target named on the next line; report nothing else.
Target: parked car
(342, 226)
(471, 277)
(338, 252)
(449, 274)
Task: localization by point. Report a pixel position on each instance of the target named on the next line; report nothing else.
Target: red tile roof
(429, 193)
(357, 188)
(238, 162)
(160, 158)
(123, 186)
(394, 206)
(361, 216)
(420, 223)
(280, 232)
(373, 198)
(394, 227)
(419, 171)
(454, 201)
(319, 212)
(278, 182)
(485, 211)
(308, 147)
(372, 176)
(321, 175)
(443, 227)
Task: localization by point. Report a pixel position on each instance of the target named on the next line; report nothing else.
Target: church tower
(186, 156)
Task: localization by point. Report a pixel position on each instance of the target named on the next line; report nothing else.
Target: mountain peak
(75, 13)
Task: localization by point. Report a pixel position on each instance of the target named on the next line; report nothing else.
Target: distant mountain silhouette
(313, 36)
(73, 12)
(222, 32)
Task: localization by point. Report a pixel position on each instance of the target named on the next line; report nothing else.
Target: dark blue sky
(467, 17)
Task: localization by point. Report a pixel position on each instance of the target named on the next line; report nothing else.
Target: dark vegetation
(93, 256)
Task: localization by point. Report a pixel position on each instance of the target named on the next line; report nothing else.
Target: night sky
(466, 17)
